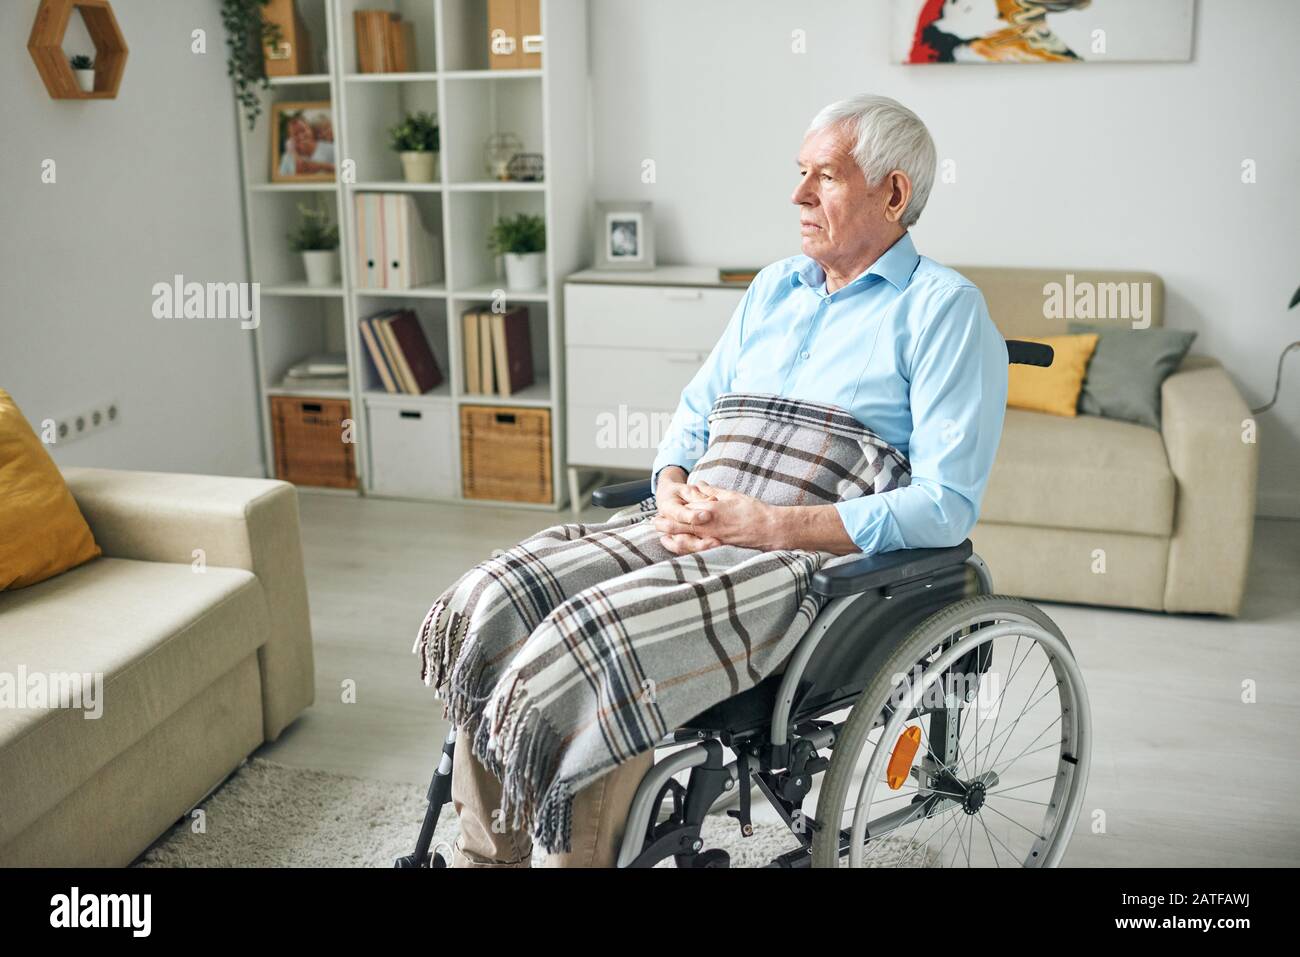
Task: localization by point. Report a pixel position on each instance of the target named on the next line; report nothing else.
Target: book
(512, 350)
(401, 45)
(414, 353)
(486, 368)
(388, 345)
(377, 357)
(737, 274)
(331, 364)
(361, 26)
(470, 348)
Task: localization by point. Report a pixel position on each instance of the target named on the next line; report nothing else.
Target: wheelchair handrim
(1073, 756)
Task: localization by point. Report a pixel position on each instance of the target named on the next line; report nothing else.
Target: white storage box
(412, 448)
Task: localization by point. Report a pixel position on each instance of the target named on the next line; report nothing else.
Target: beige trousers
(486, 840)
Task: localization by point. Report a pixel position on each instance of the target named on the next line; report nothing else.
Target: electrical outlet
(77, 425)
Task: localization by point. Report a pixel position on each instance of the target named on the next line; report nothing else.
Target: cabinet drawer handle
(408, 414)
(683, 360)
(683, 294)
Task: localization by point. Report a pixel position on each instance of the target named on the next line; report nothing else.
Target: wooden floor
(1184, 773)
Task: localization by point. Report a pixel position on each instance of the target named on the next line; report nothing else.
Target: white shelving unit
(546, 108)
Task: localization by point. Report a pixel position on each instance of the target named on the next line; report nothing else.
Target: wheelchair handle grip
(1020, 352)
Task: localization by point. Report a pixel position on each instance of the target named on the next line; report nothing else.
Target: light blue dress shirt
(907, 347)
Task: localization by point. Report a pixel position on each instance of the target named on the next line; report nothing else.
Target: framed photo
(625, 236)
(302, 143)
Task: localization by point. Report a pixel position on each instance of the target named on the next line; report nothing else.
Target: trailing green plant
(247, 36)
(315, 231)
(523, 233)
(82, 62)
(417, 133)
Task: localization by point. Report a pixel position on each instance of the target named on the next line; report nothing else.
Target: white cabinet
(632, 342)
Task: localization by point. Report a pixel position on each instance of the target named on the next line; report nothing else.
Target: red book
(512, 350)
(415, 351)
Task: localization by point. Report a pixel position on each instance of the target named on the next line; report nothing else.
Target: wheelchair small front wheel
(970, 748)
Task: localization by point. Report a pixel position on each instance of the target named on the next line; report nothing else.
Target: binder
(411, 255)
(530, 34)
(293, 55)
(370, 261)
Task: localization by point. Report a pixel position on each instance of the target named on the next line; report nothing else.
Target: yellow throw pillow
(42, 532)
(1056, 388)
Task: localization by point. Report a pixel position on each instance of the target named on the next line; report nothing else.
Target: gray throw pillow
(1127, 370)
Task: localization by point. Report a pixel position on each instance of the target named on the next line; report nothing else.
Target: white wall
(1103, 165)
(147, 186)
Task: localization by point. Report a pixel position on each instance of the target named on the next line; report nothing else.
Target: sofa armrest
(1202, 423)
(238, 523)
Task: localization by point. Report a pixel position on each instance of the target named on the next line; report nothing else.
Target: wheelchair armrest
(621, 494)
(888, 568)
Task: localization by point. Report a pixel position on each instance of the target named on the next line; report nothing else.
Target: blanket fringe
(518, 745)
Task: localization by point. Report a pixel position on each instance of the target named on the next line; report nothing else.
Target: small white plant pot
(86, 80)
(419, 166)
(525, 271)
(322, 266)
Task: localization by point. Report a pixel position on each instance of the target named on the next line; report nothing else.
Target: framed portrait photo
(303, 149)
(624, 236)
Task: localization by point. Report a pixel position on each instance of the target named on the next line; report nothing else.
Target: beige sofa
(196, 616)
(1167, 514)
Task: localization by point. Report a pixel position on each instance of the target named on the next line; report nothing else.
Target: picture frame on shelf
(303, 146)
(624, 235)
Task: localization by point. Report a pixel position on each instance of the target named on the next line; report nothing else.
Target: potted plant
(317, 239)
(84, 69)
(521, 241)
(248, 34)
(416, 140)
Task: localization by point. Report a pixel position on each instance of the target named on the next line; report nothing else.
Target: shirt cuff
(675, 455)
(870, 524)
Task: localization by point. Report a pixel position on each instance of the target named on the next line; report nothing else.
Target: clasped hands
(694, 516)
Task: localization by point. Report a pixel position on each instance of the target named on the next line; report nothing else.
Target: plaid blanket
(585, 644)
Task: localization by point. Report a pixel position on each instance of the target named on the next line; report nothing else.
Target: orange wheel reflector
(900, 762)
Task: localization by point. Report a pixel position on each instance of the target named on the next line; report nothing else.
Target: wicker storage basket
(308, 437)
(505, 453)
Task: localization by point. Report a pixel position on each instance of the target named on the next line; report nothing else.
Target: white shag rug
(269, 815)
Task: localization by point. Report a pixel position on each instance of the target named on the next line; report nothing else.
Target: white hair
(887, 136)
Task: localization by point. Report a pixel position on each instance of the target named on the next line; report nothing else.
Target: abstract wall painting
(1041, 31)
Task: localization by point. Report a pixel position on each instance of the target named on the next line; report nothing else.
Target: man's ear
(899, 192)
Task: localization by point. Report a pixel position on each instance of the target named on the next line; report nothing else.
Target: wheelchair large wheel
(970, 748)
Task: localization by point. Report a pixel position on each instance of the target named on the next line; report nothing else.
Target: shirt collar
(896, 264)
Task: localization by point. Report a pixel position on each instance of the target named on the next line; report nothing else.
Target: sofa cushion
(158, 633)
(1053, 388)
(1128, 369)
(1085, 473)
(42, 532)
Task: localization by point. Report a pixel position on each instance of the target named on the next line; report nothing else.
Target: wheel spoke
(928, 811)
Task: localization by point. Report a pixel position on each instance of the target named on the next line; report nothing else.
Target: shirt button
(803, 355)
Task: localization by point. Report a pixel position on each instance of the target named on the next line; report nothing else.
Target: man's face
(840, 215)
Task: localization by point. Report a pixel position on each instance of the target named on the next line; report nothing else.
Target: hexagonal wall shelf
(46, 47)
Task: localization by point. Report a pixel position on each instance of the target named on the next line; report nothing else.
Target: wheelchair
(949, 724)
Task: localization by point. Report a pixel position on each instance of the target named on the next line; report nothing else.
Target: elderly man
(863, 322)
(860, 329)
